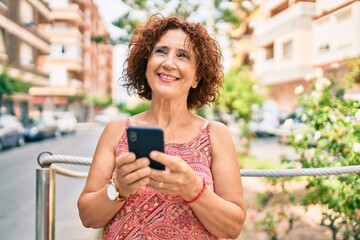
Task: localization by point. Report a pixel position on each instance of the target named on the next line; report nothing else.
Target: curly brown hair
(207, 51)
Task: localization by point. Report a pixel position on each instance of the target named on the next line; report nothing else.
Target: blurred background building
(288, 40)
(62, 49)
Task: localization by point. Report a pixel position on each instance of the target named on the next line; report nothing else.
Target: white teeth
(168, 77)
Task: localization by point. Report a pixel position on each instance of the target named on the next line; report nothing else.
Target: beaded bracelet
(199, 195)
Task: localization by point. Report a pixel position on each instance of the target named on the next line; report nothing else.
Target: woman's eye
(160, 51)
(183, 55)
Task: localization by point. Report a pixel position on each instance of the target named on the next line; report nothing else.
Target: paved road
(17, 188)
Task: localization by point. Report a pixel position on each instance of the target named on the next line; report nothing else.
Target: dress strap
(206, 125)
(128, 122)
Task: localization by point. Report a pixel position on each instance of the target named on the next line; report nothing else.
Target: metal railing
(45, 184)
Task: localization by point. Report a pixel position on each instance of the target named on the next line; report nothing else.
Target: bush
(332, 139)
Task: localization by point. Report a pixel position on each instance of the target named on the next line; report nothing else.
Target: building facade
(23, 47)
(61, 49)
(80, 59)
(295, 38)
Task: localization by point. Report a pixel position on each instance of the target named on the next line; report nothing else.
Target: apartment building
(23, 47)
(283, 38)
(295, 38)
(80, 59)
(336, 37)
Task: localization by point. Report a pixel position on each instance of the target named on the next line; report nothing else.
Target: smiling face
(171, 68)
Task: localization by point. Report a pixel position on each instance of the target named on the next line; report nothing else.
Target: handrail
(45, 184)
(50, 160)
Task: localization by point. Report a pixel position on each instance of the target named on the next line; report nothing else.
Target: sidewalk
(270, 148)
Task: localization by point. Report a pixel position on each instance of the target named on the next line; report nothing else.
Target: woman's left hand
(178, 179)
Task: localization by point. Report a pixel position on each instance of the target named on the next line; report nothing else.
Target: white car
(66, 121)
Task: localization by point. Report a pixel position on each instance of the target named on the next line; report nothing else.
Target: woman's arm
(223, 211)
(95, 208)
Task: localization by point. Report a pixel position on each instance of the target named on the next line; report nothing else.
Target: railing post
(45, 204)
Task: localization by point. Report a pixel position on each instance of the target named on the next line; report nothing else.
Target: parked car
(109, 114)
(265, 119)
(292, 124)
(43, 127)
(66, 122)
(11, 131)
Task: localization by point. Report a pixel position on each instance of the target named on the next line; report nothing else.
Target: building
(23, 47)
(283, 56)
(61, 49)
(336, 37)
(295, 38)
(80, 59)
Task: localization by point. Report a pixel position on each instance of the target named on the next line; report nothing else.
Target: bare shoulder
(218, 129)
(221, 139)
(113, 130)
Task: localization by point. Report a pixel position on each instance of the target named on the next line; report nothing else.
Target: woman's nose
(169, 62)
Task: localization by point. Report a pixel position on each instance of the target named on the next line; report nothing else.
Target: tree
(238, 96)
(9, 85)
(5, 86)
(139, 10)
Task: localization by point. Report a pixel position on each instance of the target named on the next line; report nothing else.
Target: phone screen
(142, 140)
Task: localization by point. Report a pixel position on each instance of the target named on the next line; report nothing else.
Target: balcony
(297, 16)
(69, 13)
(65, 35)
(271, 72)
(72, 64)
(336, 35)
(42, 8)
(26, 34)
(33, 75)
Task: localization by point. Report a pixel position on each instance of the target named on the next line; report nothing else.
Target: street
(18, 187)
(18, 183)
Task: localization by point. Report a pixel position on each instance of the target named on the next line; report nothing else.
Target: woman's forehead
(176, 38)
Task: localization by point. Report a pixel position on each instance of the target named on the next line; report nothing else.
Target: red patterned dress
(149, 214)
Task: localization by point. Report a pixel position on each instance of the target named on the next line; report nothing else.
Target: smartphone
(142, 140)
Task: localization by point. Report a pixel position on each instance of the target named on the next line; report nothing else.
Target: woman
(177, 66)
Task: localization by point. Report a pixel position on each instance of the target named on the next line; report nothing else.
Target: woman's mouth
(167, 77)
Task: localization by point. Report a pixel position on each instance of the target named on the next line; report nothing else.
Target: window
(287, 49)
(323, 35)
(26, 13)
(269, 50)
(344, 26)
(65, 50)
(26, 55)
(2, 41)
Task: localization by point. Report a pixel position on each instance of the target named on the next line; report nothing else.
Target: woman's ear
(195, 84)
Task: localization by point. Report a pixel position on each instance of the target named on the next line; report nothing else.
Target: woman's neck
(166, 116)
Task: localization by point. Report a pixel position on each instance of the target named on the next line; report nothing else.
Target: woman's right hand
(131, 173)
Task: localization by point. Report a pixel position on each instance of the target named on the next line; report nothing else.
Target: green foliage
(333, 131)
(99, 101)
(251, 162)
(139, 10)
(237, 97)
(5, 83)
(237, 94)
(98, 39)
(139, 108)
(9, 85)
(76, 97)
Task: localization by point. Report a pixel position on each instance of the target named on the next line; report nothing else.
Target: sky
(111, 10)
